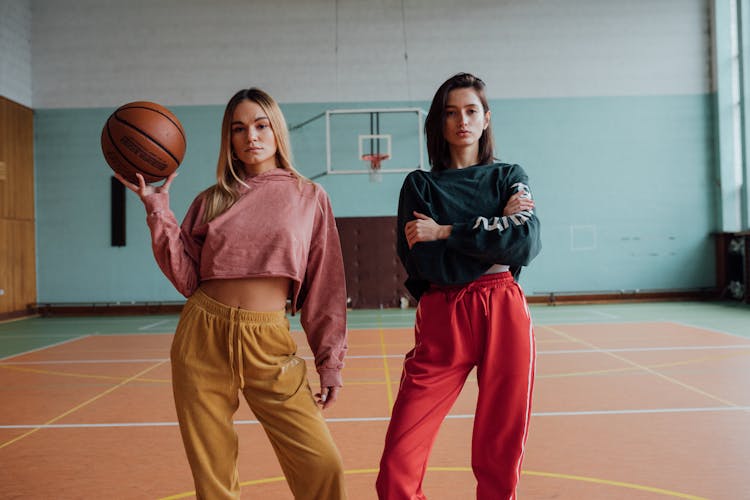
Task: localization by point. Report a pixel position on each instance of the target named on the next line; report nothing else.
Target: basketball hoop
(375, 159)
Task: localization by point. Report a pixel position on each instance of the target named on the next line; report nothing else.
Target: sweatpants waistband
(216, 308)
(484, 281)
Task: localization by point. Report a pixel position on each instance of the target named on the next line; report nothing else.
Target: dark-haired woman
(465, 229)
(260, 235)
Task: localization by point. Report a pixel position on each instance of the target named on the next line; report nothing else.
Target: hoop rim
(375, 159)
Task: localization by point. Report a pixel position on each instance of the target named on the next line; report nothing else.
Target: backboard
(394, 137)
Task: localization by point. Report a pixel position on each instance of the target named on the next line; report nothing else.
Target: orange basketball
(143, 137)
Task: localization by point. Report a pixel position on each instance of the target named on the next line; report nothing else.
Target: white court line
(154, 324)
(712, 330)
(562, 322)
(385, 419)
(44, 347)
(602, 314)
(157, 360)
(641, 412)
(649, 349)
(394, 356)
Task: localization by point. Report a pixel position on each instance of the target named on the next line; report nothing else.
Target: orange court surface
(632, 401)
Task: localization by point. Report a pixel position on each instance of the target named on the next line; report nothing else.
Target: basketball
(143, 137)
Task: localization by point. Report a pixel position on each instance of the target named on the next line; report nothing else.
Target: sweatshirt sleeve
(176, 251)
(323, 315)
(430, 261)
(411, 199)
(513, 239)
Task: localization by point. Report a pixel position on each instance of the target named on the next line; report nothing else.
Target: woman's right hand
(142, 189)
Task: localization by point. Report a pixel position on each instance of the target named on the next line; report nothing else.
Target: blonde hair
(219, 197)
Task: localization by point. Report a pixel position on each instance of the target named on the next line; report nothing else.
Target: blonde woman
(260, 235)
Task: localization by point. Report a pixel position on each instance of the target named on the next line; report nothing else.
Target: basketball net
(376, 175)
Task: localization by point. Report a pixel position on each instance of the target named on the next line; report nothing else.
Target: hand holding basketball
(142, 189)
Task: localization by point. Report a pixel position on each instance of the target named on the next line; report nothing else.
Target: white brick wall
(91, 53)
(15, 50)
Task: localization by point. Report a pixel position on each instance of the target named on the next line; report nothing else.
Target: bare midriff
(253, 294)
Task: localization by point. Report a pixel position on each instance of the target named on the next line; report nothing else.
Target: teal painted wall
(623, 185)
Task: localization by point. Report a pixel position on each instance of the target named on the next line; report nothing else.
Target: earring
(234, 155)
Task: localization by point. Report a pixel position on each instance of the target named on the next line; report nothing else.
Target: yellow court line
(349, 381)
(646, 368)
(555, 475)
(61, 374)
(636, 368)
(20, 318)
(619, 484)
(75, 375)
(382, 382)
(384, 352)
(584, 373)
(91, 400)
(78, 375)
(358, 346)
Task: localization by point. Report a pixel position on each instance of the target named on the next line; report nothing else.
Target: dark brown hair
(437, 147)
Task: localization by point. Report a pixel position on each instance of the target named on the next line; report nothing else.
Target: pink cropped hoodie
(278, 227)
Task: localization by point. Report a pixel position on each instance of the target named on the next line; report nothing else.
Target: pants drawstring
(235, 340)
(240, 356)
(230, 357)
(459, 294)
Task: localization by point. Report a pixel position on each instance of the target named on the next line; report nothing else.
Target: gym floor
(632, 401)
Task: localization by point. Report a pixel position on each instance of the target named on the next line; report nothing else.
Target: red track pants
(484, 324)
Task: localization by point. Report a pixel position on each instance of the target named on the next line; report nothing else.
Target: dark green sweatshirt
(472, 201)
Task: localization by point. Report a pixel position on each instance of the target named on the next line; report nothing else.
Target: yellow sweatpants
(218, 351)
